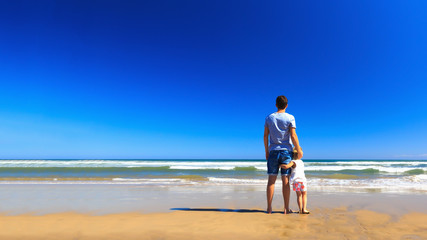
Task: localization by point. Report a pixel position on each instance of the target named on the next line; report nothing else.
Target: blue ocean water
(325, 175)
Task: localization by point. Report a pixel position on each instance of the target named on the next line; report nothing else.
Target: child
(299, 182)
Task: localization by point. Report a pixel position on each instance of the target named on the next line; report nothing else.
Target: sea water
(397, 176)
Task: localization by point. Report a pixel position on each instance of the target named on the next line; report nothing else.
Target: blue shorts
(277, 157)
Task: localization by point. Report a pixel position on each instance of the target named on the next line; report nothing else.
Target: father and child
(279, 131)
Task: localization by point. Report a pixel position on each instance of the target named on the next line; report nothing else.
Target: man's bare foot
(287, 211)
(269, 210)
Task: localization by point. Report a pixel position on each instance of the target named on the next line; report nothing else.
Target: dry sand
(323, 223)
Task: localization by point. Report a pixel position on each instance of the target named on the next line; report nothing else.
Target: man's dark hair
(281, 102)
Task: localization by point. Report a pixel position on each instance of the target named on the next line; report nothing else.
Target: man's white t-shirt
(297, 174)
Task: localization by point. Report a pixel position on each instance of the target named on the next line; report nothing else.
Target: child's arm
(289, 165)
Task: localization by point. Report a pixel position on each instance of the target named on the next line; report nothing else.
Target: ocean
(395, 176)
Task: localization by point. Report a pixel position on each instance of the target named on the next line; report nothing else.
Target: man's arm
(266, 132)
(295, 141)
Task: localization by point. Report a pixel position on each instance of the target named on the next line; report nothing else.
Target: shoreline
(111, 199)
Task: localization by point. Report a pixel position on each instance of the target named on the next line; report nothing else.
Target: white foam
(400, 184)
(391, 170)
(114, 181)
(226, 165)
(381, 163)
(407, 184)
(416, 183)
(198, 168)
(145, 180)
(236, 180)
(421, 178)
(385, 167)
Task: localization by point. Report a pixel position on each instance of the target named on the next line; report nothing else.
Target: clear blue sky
(196, 79)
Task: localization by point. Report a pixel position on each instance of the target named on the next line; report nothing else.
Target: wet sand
(97, 211)
(101, 199)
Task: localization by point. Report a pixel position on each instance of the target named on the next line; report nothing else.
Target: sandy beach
(322, 224)
(97, 211)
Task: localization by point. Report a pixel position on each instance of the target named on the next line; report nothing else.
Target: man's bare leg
(286, 193)
(270, 191)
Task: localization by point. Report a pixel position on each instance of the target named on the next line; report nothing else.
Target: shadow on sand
(223, 210)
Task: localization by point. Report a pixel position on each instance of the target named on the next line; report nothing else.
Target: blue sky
(196, 79)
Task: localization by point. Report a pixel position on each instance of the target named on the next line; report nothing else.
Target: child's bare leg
(304, 202)
(299, 200)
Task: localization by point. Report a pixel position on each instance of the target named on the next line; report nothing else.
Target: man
(281, 128)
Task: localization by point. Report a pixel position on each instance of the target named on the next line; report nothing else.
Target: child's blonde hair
(294, 154)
